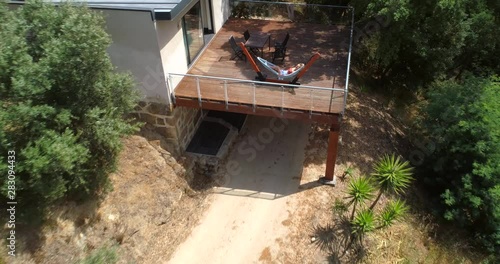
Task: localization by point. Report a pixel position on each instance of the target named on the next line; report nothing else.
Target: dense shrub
(463, 121)
(61, 102)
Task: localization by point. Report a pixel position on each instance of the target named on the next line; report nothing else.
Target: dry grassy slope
(149, 212)
(153, 206)
(368, 131)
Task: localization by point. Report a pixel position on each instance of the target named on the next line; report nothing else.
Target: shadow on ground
(266, 161)
(368, 131)
(336, 240)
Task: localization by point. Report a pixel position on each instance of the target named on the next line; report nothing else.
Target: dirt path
(248, 216)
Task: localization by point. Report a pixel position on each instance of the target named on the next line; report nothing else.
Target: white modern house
(179, 54)
(153, 37)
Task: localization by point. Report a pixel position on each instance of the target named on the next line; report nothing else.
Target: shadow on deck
(233, 89)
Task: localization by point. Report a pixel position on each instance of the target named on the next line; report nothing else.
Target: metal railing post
(226, 98)
(331, 96)
(346, 89)
(198, 90)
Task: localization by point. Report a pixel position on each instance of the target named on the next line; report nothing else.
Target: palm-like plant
(363, 223)
(359, 190)
(393, 211)
(349, 171)
(392, 175)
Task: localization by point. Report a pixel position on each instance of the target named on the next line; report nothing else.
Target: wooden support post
(331, 158)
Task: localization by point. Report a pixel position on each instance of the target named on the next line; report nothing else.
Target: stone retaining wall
(177, 125)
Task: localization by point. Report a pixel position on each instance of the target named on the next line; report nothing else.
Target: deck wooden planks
(304, 41)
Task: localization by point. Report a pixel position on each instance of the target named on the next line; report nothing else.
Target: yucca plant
(392, 175)
(349, 171)
(359, 190)
(363, 223)
(393, 211)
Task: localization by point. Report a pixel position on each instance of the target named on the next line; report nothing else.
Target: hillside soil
(264, 205)
(154, 202)
(273, 210)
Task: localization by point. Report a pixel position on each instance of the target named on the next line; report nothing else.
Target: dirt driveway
(249, 213)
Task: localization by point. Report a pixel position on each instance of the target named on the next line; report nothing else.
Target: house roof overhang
(160, 9)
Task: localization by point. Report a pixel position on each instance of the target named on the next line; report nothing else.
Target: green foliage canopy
(61, 102)
(422, 41)
(417, 45)
(463, 119)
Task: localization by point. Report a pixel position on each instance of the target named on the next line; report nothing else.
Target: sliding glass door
(192, 25)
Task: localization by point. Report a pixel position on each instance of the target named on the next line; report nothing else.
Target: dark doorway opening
(213, 132)
(235, 119)
(208, 138)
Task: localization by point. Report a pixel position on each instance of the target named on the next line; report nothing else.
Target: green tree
(423, 41)
(481, 49)
(463, 120)
(359, 190)
(62, 104)
(392, 175)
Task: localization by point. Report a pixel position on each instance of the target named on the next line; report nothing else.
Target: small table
(258, 41)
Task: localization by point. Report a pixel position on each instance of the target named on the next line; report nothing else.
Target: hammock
(283, 75)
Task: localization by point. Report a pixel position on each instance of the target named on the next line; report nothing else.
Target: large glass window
(193, 32)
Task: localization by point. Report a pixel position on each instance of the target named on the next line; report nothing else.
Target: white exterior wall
(171, 39)
(172, 48)
(135, 49)
(221, 11)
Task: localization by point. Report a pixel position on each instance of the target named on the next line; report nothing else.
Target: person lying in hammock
(288, 70)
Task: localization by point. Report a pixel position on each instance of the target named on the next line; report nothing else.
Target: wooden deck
(305, 39)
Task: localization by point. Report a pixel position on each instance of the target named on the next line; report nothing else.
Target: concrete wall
(148, 50)
(135, 49)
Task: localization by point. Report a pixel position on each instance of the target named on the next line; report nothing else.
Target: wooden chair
(280, 48)
(238, 52)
